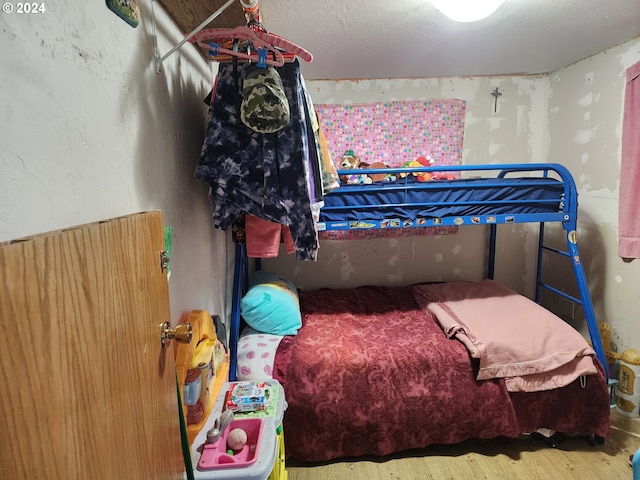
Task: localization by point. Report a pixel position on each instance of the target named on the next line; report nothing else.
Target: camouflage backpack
(264, 108)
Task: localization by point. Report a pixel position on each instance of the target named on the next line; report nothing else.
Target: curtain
(629, 196)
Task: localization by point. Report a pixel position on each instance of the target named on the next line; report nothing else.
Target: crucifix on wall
(496, 93)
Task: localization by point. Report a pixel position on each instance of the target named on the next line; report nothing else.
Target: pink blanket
(514, 337)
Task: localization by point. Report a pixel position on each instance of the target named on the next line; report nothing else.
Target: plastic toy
(228, 452)
(236, 439)
(201, 367)
(628, 390)
(247, 397)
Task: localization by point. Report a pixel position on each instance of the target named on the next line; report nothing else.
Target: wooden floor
(522, 459)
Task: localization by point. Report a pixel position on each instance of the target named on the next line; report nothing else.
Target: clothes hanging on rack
(273, 176)
(328, 175)
(263, 237)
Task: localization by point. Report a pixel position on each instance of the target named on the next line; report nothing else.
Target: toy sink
(214, 455)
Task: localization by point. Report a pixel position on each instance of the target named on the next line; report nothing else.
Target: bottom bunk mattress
(372, 373)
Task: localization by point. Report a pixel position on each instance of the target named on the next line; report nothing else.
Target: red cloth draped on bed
(372, 374)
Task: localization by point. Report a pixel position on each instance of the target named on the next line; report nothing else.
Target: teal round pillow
(271, 305)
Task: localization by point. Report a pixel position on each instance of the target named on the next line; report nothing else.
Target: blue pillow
(271, 305)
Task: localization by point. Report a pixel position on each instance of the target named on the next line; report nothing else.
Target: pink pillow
(256, 354)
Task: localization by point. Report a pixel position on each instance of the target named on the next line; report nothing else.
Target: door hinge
(165, 261)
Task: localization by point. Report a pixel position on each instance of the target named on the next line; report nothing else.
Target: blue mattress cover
(443, 198)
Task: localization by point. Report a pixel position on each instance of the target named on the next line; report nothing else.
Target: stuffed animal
(350, 179)
(443, 176)
(350, 161)
(419, 162)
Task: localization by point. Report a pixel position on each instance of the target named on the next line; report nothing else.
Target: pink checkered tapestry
(396, 132)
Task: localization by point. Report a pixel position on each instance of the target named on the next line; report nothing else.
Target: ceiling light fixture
(467, 10)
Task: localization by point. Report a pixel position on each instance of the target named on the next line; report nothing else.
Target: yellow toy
(202, 367)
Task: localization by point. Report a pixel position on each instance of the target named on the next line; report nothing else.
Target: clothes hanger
(211, 40)
(280, 42)
(223, 54)
(255, 58)
(255, 33)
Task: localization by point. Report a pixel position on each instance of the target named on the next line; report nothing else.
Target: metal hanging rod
(252, 6)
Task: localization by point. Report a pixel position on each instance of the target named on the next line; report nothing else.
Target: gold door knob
(182, 333)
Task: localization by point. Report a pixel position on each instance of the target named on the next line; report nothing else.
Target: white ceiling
(410, 38)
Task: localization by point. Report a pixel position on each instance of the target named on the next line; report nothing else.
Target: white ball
(236, 439)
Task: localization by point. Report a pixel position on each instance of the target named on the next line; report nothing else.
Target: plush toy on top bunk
(427, 161)
(417, 163)
(350, 161)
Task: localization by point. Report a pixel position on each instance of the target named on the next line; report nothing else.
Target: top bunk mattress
(443, 198)
(407, 202)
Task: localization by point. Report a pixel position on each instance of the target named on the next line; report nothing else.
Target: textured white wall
(89, 131)
(585, 121)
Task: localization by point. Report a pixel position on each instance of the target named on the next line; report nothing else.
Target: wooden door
(87, 390)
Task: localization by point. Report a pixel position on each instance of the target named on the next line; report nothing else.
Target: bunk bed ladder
(584, 300)
(585, 297)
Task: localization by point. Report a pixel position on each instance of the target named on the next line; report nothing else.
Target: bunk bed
(375, 370)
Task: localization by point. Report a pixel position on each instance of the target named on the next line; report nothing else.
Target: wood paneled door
(87, 389)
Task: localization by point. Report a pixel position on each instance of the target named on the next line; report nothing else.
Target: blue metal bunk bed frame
(561, 208)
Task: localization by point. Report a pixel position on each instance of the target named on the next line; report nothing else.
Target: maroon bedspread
(369, 373)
